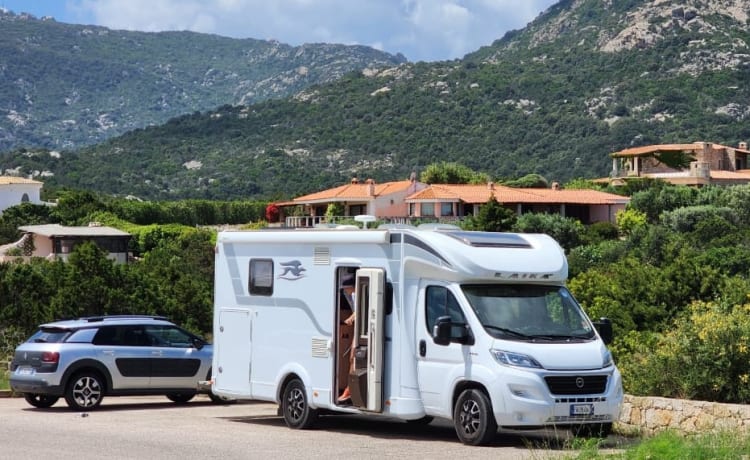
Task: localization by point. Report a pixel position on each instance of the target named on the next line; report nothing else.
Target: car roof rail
(94, 319)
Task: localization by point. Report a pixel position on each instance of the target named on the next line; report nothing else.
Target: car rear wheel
(180, 398)
(297, 412)
(473, 418)
(40, 401)
(84, 391)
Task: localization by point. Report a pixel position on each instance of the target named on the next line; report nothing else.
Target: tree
(492, 217)
(451, 173)
(528, 181)
(567, 231)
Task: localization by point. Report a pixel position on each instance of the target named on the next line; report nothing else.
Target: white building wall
(13, 194)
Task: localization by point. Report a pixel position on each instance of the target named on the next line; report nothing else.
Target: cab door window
(439, 301)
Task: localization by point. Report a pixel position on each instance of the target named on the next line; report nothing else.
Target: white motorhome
(476, 327)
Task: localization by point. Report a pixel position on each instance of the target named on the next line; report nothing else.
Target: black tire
(592, 430)
(220, 399)
(40, 401)
(84, 391)
(426, 420)
(473, 418)
(297, 411)
(180, 398)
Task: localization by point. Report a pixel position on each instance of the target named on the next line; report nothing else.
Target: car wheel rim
(296, 402)
(470, 417)
(87, 391)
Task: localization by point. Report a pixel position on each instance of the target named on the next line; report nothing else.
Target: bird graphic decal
(292, 270)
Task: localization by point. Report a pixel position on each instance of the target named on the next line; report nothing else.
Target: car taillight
(50, 357)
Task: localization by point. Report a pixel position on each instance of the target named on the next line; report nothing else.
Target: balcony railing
(316, 221)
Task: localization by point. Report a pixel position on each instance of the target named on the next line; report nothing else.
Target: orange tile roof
(476, 194)
(358, 191)
(650, 149)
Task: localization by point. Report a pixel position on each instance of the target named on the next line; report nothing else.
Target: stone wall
(649, 415)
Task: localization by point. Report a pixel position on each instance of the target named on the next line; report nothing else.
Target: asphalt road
(155, 428)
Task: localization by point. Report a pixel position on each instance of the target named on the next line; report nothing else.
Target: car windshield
(529, 312)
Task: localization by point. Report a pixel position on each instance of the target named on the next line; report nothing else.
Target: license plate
(25, 371)
(581, 409)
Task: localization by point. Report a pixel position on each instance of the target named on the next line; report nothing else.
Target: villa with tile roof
(705, 163)
(588, 206)
(404, 201)
(55, 241)
(17, 190)
(380, 200)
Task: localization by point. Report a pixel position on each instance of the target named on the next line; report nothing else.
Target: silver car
(85, 359)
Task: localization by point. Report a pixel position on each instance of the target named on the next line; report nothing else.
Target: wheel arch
(88, 365)
(468, 385)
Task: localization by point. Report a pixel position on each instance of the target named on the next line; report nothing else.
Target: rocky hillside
(586, 78)
(66, 85)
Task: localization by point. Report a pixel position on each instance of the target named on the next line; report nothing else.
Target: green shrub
(703, 356)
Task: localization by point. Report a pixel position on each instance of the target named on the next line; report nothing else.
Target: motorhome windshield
(529, 312)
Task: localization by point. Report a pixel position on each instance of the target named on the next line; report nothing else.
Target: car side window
(135, 336)
(167, 336)
(108, 335)
(439, 301)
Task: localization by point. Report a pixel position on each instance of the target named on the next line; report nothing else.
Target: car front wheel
(84, 391)
(40, 401)
(473, 418)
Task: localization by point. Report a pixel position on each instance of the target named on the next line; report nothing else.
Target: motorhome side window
(260, 279)
(363, 300)
(441, 302)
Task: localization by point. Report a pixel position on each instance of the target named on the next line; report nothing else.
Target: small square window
(260, 280)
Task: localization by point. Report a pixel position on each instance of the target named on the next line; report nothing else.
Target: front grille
(577, 384)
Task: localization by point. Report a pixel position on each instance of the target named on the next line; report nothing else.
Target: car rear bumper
(35, 385)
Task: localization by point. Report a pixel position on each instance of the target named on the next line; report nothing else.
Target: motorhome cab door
(366, 378)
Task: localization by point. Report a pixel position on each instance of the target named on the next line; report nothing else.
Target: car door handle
(108, 352)
(422, 348)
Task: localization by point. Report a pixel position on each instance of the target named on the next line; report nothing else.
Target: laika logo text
(292, 270)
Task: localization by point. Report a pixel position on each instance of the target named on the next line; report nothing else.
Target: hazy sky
(423, 30)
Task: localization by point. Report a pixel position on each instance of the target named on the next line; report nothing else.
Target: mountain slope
(70, 85)
(586, 78)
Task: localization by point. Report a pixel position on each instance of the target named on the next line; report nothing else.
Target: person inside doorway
(347, 316)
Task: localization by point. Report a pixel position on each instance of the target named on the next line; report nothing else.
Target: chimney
(370, 187)
(491, 185)
(555, 186)
(743, 145)
(355, 180)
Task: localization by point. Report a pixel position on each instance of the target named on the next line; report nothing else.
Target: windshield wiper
(559, 337)
(507, 331)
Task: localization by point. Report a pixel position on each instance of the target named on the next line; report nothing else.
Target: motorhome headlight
(508, 358)
(607, 359)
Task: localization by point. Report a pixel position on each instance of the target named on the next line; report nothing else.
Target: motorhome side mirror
(441, 332)
(604, 327)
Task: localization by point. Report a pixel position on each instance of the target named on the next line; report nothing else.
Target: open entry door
(366, 378)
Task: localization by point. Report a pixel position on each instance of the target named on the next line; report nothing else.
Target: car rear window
(49, 335)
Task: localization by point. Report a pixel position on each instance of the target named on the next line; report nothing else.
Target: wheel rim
(87, 391)
(470, 417)
(296, 404)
